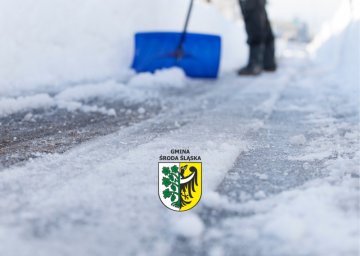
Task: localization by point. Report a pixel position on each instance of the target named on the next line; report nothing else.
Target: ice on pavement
(100, 198)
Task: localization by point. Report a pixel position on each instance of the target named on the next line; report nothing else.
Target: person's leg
(257, 29)
(255, 18)
(269, 62)
(255, 24)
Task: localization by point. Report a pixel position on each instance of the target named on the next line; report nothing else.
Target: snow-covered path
(280, 156)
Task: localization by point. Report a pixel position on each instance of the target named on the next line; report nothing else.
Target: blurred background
(291, 19)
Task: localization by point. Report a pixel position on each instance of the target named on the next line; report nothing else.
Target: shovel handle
(183, 34)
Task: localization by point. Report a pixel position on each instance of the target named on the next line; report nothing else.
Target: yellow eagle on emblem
(188, 184)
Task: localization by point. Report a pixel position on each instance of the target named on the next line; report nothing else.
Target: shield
(180, 184)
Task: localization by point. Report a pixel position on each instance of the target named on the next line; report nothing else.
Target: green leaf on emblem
(166, 182)
(167, 193)
(174, 169)
(166, 171)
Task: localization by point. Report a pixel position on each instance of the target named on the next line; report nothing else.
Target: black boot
(255, 64)
(269, 57)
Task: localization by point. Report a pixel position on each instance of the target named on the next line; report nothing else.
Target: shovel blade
(200, 57)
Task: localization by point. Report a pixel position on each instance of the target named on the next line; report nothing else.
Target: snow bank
(338, 44)
(72, 99)
(75, 97)
(91, 90)
(54, 44)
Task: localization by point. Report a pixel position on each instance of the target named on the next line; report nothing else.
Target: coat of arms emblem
(180, 185)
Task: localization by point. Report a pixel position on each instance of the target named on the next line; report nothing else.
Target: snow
(64, 100)
(73, 105)
(190, 226)
(100, 197)
(172, 77)
(320, 216)
(50, 46)
(261, 176)
(141, 110)
(298, 139)
(213, 199)
(12, 105)
(94, 172)
(89, 91)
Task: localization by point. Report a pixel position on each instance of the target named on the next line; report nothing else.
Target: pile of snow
(71, 98)
(138, 88)
(12, 105)
(172, 77)
(337, 49)
(52, 45)
(337, 46)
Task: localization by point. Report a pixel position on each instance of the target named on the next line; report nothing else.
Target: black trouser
(257, 23)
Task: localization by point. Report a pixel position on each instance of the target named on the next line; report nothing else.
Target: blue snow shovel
(197, 54)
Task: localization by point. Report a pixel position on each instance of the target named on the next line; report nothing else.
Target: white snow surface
(100, 198)
(51, 45)
(12, 105)
(137, 89)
